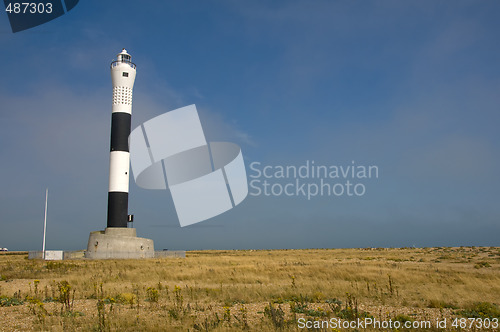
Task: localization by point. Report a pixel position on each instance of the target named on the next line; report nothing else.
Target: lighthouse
(117, 240)
(123, 72)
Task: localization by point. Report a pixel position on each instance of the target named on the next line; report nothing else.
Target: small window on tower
(125, 74)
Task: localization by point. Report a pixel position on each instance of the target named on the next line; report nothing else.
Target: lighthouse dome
(123, 56)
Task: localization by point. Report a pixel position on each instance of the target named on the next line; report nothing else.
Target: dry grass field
(261, 290)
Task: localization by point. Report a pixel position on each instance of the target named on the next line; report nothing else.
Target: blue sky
(412, 87)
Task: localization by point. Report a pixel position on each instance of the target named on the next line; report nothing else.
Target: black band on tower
(120, 130)
(117, 209)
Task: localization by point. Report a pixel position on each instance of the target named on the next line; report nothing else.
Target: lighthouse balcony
(118, 62)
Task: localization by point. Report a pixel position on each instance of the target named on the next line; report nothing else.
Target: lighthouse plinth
(118, 243)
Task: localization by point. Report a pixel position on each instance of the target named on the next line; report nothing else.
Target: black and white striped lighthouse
(123, 77)
(117, 240)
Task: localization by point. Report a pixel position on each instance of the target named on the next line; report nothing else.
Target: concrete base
(117, 242)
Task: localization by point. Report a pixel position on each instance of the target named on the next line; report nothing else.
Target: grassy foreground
(254, 290)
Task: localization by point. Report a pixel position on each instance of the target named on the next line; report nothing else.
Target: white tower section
(123, 78)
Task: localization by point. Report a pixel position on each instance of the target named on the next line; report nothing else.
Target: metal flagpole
(45, 222)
